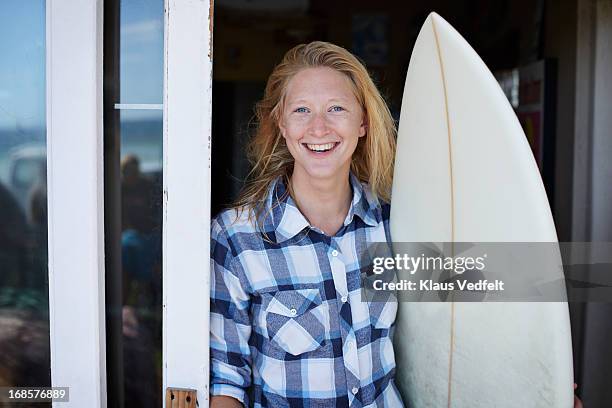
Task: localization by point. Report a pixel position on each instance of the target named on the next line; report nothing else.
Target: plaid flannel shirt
(288, 327)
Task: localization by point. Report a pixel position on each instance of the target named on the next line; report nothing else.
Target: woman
(288, 327)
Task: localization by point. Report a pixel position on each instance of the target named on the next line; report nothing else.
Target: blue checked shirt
(287, 324)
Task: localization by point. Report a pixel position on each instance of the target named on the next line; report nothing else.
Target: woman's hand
(221, 401)
(577, 402)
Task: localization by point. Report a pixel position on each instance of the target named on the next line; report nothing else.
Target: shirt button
(344, 299)
(293, 312)
(355, 390)
(334, 253)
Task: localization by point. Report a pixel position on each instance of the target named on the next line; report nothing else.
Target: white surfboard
(464, 172)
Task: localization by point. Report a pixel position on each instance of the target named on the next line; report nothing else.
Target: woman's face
(321, 122)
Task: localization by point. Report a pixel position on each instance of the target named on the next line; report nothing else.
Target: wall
(560, 44)
(597, 337)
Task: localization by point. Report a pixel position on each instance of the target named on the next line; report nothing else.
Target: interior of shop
(540, 51)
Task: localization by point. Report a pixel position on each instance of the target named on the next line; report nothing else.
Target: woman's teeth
(320, 147)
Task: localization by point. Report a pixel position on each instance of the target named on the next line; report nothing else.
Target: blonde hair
(374, 156)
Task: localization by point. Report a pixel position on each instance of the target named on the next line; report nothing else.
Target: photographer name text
(431, 285)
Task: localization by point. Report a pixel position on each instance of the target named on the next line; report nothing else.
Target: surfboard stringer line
(452, 210)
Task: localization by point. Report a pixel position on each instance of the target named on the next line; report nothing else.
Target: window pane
(142, 46)
(133, 200)
(24, 304)
(141, 234)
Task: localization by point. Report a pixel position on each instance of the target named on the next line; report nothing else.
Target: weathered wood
(181, 398)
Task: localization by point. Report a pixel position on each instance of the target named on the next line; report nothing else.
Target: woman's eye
(337, 109)
(301, 110)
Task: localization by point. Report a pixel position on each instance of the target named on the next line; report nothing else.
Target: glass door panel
(134, 32)
(24, 286)
(157, 103)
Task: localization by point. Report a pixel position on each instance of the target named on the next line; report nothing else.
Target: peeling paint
(210, 29)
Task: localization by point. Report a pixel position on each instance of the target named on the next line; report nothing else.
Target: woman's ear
(282, 128)
(363, 128)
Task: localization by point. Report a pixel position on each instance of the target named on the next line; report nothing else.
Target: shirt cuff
(230, 391)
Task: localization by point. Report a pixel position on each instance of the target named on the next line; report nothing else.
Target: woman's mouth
(320, 148)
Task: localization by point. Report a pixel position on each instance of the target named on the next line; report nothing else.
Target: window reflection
(134, 85)
(142, 44)
(141, 234)
(24, 305)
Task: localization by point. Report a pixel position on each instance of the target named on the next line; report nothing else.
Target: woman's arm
(230, 325)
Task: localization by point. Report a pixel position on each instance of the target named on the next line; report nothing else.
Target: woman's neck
(324, 202)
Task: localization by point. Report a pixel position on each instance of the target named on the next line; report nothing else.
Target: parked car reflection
(24, 311)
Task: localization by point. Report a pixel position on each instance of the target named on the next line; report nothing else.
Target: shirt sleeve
(230, 324)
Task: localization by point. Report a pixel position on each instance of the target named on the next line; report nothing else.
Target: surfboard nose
(435, 18)
(432, 15)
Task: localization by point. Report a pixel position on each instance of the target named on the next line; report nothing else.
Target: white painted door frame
(76, 200)
(74, 43)
(186, 228)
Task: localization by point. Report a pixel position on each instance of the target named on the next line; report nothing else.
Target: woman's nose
(318, 125)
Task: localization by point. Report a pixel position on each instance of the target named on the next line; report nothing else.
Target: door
(128, 137)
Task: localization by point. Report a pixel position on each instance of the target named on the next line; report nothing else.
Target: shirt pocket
(383, 312)
(297, 320)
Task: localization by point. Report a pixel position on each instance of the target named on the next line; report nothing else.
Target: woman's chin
(322, 170)
(325, 173)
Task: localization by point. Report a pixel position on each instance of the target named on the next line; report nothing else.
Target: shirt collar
(286, 221)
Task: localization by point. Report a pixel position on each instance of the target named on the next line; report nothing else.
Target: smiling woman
(322, 119)
(287, 323)
(372, 159)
